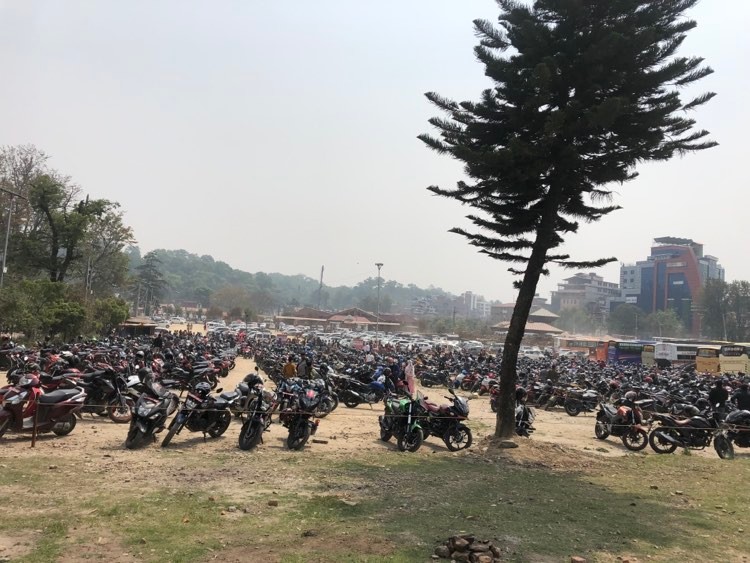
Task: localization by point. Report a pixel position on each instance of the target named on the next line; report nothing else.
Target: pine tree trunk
(506, 413)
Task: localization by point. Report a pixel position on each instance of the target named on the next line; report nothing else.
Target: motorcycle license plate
(191, 404)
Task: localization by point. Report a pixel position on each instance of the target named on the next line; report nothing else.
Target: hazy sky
(281, 135)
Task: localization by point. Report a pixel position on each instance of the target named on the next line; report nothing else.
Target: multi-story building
(588, 291)
(671, 278)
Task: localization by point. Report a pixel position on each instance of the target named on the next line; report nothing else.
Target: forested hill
(202, 279)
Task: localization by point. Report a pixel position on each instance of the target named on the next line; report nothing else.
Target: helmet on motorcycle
(32, 367)
(631, 395)
(703, 404)
(203, 388)
(648, 379)
(140, 355)
(252, 379)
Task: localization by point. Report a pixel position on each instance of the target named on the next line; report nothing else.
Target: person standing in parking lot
(289, 370)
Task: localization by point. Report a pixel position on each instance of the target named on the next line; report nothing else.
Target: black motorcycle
(525, 417)
(733, 431)
(445, 421)
(695, 432)
(201, 412)
(353, 392)
(150, 413)
(258, 416)
(107, 395)
(431, 378)
(299, 417)
(577, 401)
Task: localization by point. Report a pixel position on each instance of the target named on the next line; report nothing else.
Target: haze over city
(282, 136)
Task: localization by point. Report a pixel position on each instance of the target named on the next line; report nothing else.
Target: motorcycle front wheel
(173, 428)
(385, 434)
(298, 435)
(659, 443)
(225, 418)
(250, 434)
(65, 425)
(724, 447)
(458, 437)
(635, 440)
(135, 438)
(326, 406)
(493, 405)
(351, 403)
(410, 440)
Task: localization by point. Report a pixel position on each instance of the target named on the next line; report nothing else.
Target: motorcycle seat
(88, 377)
(681, 422)
(244, 388)
(58, 396)
(229, 395)
(220, 402)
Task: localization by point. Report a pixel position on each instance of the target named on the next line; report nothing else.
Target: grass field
(541, 502)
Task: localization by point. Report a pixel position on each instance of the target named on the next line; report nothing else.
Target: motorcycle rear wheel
(121, 412)
(724, 447)
(298, 435)
(225, 418)
(572, 408)
(458, 437)
(635, 440)
(351, 403)
(659, 444)
(68, 422)
(600, 430)
(411, 440)
(493, 405)
(4, 426)
(250, 434)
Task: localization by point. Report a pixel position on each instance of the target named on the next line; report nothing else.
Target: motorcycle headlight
(143, 410)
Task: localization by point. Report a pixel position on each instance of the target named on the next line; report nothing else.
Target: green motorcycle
(398, 420)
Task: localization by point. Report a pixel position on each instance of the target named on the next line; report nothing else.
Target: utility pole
(320, 287)
(377, 317)
(7, 230)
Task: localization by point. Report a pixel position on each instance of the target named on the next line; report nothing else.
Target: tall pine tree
(583, 91)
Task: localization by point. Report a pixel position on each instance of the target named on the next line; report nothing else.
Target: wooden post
(33, 428)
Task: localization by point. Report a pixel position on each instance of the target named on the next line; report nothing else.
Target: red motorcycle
(54, 411)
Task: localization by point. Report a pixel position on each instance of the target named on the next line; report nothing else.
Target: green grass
(400, 506)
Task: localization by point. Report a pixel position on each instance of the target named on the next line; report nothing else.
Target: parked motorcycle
(26, 401)
(258, 416)
(445, 421)
(695, 432)
(577, 401)
(432, 378)
(525, 417)
(201, 412)
(299, 418)
(622, 421)
(107, 395)
(352, 392)
(150, 413)
(734, 430)
(400, 420)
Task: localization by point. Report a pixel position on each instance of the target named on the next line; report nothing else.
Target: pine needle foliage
(583, 91)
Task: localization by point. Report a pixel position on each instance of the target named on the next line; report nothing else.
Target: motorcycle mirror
(219, 390)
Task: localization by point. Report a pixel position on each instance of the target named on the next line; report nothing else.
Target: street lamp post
(377, 314)
(7, 230)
